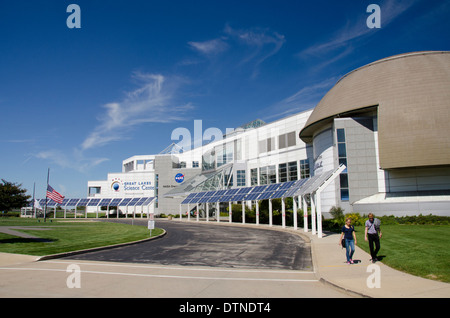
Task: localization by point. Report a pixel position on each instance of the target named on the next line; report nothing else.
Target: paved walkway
(330, 268)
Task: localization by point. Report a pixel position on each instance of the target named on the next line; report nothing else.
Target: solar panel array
(264, 192)
(141, 201)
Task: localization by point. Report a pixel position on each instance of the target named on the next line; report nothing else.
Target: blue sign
(179, 177)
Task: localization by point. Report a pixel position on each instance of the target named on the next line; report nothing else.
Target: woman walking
(348, 232)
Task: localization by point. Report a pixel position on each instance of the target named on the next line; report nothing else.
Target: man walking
(373, 235)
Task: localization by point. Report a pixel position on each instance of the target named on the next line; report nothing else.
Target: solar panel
(200, 194)
(73, 202)
(204, 199)
(239, 197)
(115, 202)
(148, 201)
(245, 190)
(83, 202)
(65, 201)
(105, 202)
(272, 187)
(253, 196)
(220, 192)
(141, 201)
(186, 201)
(195, 200)
(231, 191)
(191, 195)
(227, 198)
(216, 198)
(133, 202)
(93, 202)
(125, 201)
(259, 189)
(298, 184)
(278, 194)
(265, 195)
(286, 185)
(50, 202)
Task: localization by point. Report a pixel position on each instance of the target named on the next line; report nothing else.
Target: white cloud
(253, 46)
(305, 98)
(350, 33)
(74, 160)
(152, 102)
(210, 47)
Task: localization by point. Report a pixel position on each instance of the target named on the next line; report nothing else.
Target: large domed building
(389, 123)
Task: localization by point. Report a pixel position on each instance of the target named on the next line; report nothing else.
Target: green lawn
(421, 250)
(68, 236)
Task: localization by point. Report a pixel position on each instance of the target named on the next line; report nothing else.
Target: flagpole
(45, 211)
(34, 202)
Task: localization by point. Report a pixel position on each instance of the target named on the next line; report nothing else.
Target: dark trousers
(373, 238)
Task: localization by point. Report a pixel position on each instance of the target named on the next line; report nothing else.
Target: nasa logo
(179, 177)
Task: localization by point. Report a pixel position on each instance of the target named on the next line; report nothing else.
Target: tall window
(263, 175)
(272, 174)
(292, 170)
(342, 154)
(304, 169)
(254, 176)
(282, 172)
(240, 175)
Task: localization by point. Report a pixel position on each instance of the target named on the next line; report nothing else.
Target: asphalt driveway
(203, 244)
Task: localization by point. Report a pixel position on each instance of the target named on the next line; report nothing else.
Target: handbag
(343, 243)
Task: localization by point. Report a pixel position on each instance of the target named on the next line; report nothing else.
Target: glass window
(282, 172)
(344, 195)
(342, 152)
(263, 175)
(208, 161)
(254, 176)
(195, 164)
(292, 170)
(240, 175)
(340, 135)
(272, 174)
(304, 169)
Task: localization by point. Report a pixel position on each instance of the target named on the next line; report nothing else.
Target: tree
(12, 196)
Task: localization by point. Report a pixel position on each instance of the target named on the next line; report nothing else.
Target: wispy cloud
(253, 46)
(211, 47)
(154, 101)
(74, 159)
(352, 32)
(305, 98)
(263, 44)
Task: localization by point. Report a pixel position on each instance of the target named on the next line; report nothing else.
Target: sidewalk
(330, 265)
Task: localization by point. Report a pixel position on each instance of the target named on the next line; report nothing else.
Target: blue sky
(79, 101)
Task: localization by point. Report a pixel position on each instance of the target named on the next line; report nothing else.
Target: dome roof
(412, 95)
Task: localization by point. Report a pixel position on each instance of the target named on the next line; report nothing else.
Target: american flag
(55, 196)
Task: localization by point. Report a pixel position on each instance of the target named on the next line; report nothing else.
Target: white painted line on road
(208, 269)
(163, 276)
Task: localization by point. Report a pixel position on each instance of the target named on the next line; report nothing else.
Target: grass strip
(61, 237)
